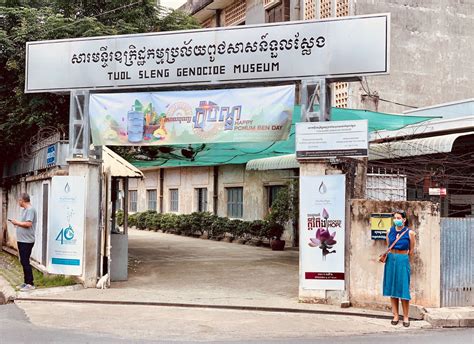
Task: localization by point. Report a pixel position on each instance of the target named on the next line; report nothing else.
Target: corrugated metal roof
(117, 166)
(423, 146)
(282, 162)
(377, 151)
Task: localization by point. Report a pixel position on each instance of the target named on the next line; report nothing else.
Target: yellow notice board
(380, 223)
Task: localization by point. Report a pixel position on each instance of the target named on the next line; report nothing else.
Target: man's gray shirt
(27, 234)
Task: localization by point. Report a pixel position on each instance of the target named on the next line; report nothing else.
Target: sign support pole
(79, 130)
(316, 92)
(82, 164)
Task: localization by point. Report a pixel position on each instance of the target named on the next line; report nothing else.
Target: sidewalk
(176, 271)
(450, 316)
(171, 270)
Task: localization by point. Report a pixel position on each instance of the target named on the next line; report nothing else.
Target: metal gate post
(79, 130)
(315, 92)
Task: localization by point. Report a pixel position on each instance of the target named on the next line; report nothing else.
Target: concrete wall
(150, 182)
(255, 12)
(186, 180)
(431, 53)
(366, 273)
(255, 197)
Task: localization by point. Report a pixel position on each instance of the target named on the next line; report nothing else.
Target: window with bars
(132, 200)
(272, 192)
(235, 13)
(151, 199)
(235, 205)
(174, 205)
(201, 198)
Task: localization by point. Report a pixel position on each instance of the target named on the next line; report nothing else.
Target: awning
(282, 162)
(415, 147)
(215, 154)
(377, 151)
(116, 166)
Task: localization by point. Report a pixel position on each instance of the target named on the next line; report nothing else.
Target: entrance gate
(457, 262)
(233, 55)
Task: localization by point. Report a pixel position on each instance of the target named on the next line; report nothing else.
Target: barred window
(132, 200)
(151, 199)
(235, 202)
(201, 197)
(174, 205)
(272, 192)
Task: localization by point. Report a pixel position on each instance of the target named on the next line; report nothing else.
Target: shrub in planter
(143, 218)
(196, 223)
(119, 217)
(219, 228)
(274, 231)
(132, 220)
(169, 222)
(235, 228)
(256, 232)
(184, 224)
(153, 221)
(207, 219)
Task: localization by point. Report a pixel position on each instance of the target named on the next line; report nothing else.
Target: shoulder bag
(383, 256)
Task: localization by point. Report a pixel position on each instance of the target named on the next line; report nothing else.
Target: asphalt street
(15, 327)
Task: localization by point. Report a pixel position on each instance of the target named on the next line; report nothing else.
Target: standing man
(25, 237)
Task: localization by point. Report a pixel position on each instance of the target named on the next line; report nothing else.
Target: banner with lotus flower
(322, 231)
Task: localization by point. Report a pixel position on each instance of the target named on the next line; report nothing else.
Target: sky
(172, 3)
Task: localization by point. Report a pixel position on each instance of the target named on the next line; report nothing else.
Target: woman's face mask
(398, 222)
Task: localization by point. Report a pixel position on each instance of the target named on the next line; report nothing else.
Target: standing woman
(396, 278)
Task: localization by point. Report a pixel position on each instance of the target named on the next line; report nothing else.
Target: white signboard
(339, 47)
(437, 191)
(322, 232)
(66, 225)
(332, 139)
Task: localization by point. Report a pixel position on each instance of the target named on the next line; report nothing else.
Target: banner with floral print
(322, 231)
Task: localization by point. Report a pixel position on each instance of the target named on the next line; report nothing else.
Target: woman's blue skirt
(396, 277)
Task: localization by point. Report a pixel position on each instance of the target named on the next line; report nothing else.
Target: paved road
(40, 322)
(16, 328)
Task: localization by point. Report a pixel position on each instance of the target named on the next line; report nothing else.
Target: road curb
(207, 306)
(50, 291)
(7, 293)
(450, 317)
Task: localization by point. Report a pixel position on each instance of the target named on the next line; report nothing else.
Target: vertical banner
(66, 225)
(322, 231)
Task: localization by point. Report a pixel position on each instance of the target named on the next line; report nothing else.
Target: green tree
(23, 115)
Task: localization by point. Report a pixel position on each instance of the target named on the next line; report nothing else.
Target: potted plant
(274, 232)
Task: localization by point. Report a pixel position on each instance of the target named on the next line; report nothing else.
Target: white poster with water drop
(322, 232)
(66, 221)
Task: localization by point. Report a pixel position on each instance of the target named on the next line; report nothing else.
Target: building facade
(430, 45)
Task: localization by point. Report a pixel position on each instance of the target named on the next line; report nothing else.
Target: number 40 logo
(65, 234)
